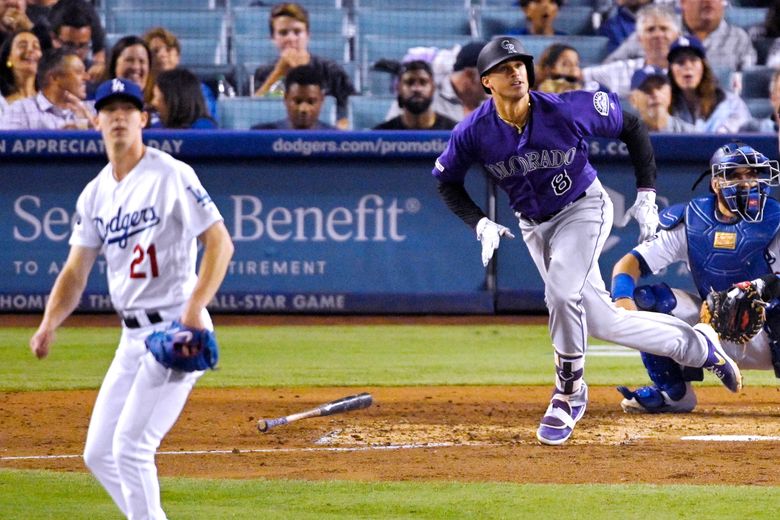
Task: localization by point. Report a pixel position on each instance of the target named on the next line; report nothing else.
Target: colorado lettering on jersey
(523, 165)
(201, 197)
(124, 225)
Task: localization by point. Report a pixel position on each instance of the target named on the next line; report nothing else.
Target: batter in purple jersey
(534, 147)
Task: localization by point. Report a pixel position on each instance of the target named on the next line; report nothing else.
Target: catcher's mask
(744, 191)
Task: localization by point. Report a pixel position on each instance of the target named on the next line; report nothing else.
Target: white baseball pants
(138, 403)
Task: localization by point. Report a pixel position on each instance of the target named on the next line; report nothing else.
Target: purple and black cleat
(560, 418)
(718, 362)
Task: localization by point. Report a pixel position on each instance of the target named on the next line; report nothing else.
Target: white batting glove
(489, 234)
(645, 212)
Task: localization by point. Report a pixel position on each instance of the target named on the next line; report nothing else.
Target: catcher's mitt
(737, 314)
(184, 348)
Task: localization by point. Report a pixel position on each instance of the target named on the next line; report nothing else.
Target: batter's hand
(645, 212)
(489, 234)
(40, 342)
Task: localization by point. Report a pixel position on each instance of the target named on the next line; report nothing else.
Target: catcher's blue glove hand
(184, 348)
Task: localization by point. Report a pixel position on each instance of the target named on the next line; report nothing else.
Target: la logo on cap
(117, 85)
(685, 42)
(509, 46)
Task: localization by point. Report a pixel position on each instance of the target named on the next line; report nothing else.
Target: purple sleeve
(598, 114)
(456, 159)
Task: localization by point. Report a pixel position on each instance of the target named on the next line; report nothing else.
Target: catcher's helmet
(744, 196)
(500, 50)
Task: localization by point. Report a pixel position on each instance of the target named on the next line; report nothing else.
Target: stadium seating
(745, 17)
(168, 4)
(572, 19)
(254, 21)
(248, 49)
(760, 108)
(369, 111)
(183, 23)
(375, 47)
(755, 82)
(241, 113)
(419, 23)
(592, 49)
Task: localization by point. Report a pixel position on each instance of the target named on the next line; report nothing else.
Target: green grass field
(382, 355)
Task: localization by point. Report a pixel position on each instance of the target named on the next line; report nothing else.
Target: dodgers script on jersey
(146, 226)
(545, 167)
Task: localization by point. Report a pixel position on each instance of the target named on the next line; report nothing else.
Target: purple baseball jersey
(544, 168)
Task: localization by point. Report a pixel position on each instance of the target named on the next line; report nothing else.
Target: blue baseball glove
(184, 348)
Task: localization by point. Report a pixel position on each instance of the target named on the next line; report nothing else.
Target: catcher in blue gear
(729, 241)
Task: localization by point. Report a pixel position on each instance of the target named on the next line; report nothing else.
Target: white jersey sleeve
(85, 232)
(665, 248)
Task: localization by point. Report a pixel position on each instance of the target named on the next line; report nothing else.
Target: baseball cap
(119, 88)
(641, 76)
(686, 43)
(468, 54)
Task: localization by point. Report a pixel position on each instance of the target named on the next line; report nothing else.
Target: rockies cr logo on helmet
(509, 46)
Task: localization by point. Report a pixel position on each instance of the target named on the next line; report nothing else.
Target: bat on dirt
(345, 404)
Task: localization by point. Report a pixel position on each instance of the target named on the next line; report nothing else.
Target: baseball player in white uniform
(144, 212)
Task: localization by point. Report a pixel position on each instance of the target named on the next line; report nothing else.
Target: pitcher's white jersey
(146, 226)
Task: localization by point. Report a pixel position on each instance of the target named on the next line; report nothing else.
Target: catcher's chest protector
(721, 254)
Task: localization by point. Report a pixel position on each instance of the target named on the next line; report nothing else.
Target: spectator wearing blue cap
(651, 96)
(696, 96)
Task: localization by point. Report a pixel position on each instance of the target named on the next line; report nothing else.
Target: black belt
(131, 322)
(546, 218)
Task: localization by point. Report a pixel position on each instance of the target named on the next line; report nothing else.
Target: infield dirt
(480, 433)
(462, 433)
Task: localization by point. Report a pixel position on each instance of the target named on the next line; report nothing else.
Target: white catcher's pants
(566, 251)
(138, 403)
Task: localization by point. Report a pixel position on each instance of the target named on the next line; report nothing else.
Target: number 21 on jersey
(144, 262)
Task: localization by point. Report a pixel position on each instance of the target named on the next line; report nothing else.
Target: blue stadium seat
(369, 111)
(241, 113)
(254, 21)
(412, 4)
(262, 50)
(755, 82)
(746, 17)
(168, 4)
(421, 23)
(308, 4)
(182, 23)
(194, 51)
(572, 19)
(759, 107)
(373, 48)
(592, 49)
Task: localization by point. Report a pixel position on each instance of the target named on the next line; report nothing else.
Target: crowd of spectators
(676, 63)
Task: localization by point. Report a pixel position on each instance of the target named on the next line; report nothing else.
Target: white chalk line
(611, 351)
(387, 447)
(730, 438)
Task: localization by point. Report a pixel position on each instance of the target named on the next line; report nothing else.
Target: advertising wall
(322, 223)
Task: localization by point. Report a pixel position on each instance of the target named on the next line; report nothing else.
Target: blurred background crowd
(684, 66)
